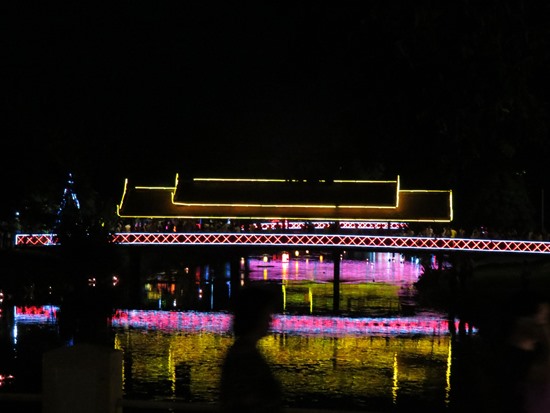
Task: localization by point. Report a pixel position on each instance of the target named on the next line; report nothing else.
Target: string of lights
(309, 240)
(282, 323)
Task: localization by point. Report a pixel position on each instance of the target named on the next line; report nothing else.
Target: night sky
(334, 89)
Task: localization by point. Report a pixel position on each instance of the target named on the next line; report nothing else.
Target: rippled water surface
(379, 352)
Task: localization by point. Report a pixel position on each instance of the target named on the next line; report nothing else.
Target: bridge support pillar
(236, 271)
(336, 259)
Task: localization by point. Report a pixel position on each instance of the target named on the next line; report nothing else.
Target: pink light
(301, 225)
(36, 239)
(4, 378)
(327, 326)
(291, 324)
(303, 240)
(36, 313)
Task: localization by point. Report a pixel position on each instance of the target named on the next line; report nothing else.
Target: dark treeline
(447, 95)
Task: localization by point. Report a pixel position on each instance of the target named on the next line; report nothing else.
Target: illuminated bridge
(284, 213)
(298, 240)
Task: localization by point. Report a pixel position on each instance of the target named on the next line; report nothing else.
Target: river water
(380, 351)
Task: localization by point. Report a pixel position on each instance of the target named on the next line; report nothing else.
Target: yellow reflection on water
(395, 386)
(448, 373)
(367, 297)
(355, 367)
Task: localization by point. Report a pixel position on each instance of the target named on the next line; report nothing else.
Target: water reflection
(380, 352)
(376, 284)
(331, 326)
(346, 372)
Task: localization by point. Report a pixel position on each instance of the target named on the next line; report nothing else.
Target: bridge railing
(308, 240)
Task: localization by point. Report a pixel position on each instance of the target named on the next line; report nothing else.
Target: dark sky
(349, 89)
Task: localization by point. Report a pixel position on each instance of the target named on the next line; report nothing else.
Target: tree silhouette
(69, 225)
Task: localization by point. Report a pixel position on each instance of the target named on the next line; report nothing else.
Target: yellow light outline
(332, 219)
(349, 181)
(119, 206)
(332, 207)
(190, 204)
(282, 206)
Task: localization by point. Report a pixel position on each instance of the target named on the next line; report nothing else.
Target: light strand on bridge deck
(309, 240)
(325, 225)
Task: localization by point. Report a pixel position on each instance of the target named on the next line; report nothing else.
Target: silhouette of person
(248, 384)
(527, 357)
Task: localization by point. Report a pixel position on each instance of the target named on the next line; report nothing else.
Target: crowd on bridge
(324, 227)
(437, 230)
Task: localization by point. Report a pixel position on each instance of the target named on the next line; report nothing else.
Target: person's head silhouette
(253, 307)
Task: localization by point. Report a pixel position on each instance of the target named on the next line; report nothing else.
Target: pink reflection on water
(327, 326)
(386, 267)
